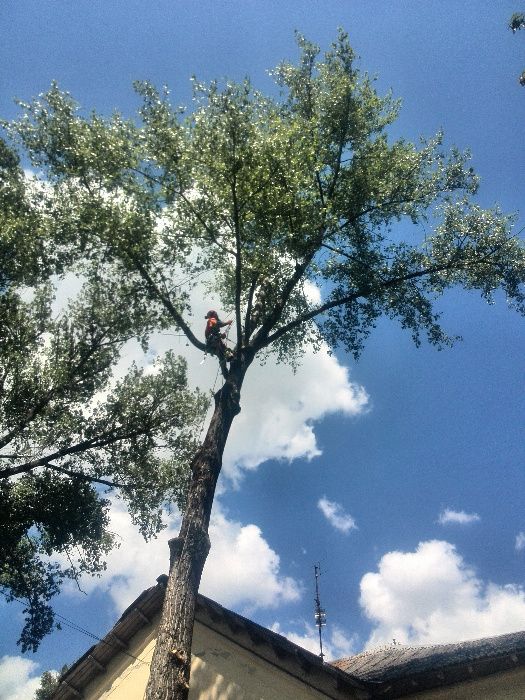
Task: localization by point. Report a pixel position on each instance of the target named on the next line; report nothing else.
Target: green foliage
(42, 515)
(49, 682)
(263, 199)
(71, 427)
(517, 21)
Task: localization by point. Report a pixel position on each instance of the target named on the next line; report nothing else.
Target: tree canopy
(263, 197)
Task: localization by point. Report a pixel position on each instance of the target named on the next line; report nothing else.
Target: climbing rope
(208, 404)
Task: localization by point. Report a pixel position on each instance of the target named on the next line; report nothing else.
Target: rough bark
(170, 666)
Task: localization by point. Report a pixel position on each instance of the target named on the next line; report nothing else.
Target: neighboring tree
(266, 196)
(67, 426)
(517, 21)
(49, 682)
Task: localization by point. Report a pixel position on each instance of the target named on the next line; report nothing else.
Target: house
(237, 659)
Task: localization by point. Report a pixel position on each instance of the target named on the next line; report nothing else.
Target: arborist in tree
(215, 339)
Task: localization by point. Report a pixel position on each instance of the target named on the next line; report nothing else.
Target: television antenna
(319, 613)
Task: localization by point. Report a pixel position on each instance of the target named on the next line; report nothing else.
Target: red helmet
(212, 314)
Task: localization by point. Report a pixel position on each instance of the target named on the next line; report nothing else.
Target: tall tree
(268, 196)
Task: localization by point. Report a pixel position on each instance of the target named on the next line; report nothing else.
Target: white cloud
(520, 542)
(336, 642)
(457, 517)
(432, 596)
(242, 570)
(279, 410)
(336, 515)
(17, 678)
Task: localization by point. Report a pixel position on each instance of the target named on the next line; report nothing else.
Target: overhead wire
(78, 628)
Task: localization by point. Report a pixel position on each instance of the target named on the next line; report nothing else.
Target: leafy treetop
(262, 198)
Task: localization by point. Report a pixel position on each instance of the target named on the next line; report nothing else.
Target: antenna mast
(320, 613)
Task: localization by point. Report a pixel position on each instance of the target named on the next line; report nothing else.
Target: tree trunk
(170, 666)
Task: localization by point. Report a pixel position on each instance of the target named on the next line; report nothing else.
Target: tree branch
(248, 319)
(320, 186)
(86, 477)
(349, 298)
(102, 440)
(261, 338)
(238, 261)
(167, 303)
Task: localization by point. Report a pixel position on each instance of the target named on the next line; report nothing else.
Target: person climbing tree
(215, 344)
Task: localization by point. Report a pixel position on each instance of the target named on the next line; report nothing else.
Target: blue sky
(440, 430)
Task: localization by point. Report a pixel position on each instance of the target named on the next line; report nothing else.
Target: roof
(389, 672)
(404, 670)
(268, 645)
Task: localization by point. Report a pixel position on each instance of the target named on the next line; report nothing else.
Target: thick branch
(349, 298)
(86, 477)
(168, 304)
(261, 339)
(248, 325)
(102, 440)
(238, 262)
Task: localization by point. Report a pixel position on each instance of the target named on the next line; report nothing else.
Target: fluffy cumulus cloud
(432, 596)
(280, 409)
(457, 517)
(18, 678)
(242, 570)
(336, 515)
(336, 642)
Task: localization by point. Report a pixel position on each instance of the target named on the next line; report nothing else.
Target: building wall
(220, 670)
(509, 685)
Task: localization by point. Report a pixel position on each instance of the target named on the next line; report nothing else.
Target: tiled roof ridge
(435, 648)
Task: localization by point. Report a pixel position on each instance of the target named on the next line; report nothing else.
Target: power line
(79, 628)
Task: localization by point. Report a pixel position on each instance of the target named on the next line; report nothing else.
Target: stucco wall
(125, 677)
(501, 686)
(221, 670)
